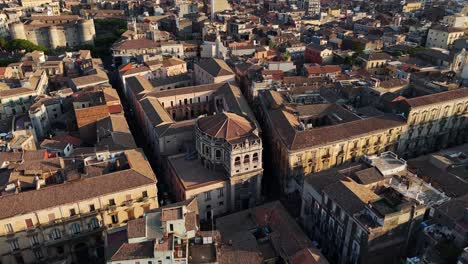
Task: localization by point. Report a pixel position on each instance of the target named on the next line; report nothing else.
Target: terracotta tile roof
(2, 72)
(437, 98)
(89, 80)
(134, 70)
(323, 69)
(10, 157)
(308, 256)
(86, 116)
(351, 196)
(335, 133)
(51, 196)
(15, 92)
(171, 214)
(229, 255)
(52, 164)
(226, 126)
(68, 139)
(191, 221)
(135, 44)
(53, 144)
(136, 228)
(142, 250)
(35, 154)
(172, 62)
(215, 67)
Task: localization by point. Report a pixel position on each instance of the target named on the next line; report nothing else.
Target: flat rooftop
(387, 163)
(193, 174)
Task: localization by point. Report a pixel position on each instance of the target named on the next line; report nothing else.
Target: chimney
(36, 181)
(62, 162)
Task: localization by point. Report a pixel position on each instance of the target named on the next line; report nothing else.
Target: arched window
(255, 157)
(55, 234)
(246, 159)
(237, 161)
(75, 228)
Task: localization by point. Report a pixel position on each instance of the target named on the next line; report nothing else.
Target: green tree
(22, 44)
(3, 43)
(349, 61)
(6, 61)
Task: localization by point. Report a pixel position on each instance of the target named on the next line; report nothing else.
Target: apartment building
(52, 210)
(170, 234)
(375, 62)
(16, 99)
(144, 50)
(366, 212)
(443, 37)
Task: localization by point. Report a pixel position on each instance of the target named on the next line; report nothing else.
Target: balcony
(67, 237)
(128, 203)
(68, 219)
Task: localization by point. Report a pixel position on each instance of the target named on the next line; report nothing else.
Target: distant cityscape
(234, 132)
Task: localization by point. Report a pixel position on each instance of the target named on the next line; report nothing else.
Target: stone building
(435, 122)
(213, 71)
(308, 138)
(52, 210)
(55, 31)
(225, 172)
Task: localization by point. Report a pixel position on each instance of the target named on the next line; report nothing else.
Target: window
(111, 202)
(8, 228)
(218, 154)
(72, 212)
(207, 195)
(221, 192)
(144, 194)
(29, 223)
(221, 203)
(115, 219)
(94, 223)
(75, 228)
(34, 240)
(246, 159)
(255, 157)
(237, 161)
(92, 208)
(55, 234)
(14, 245)
(38, 254)
(171, 227)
